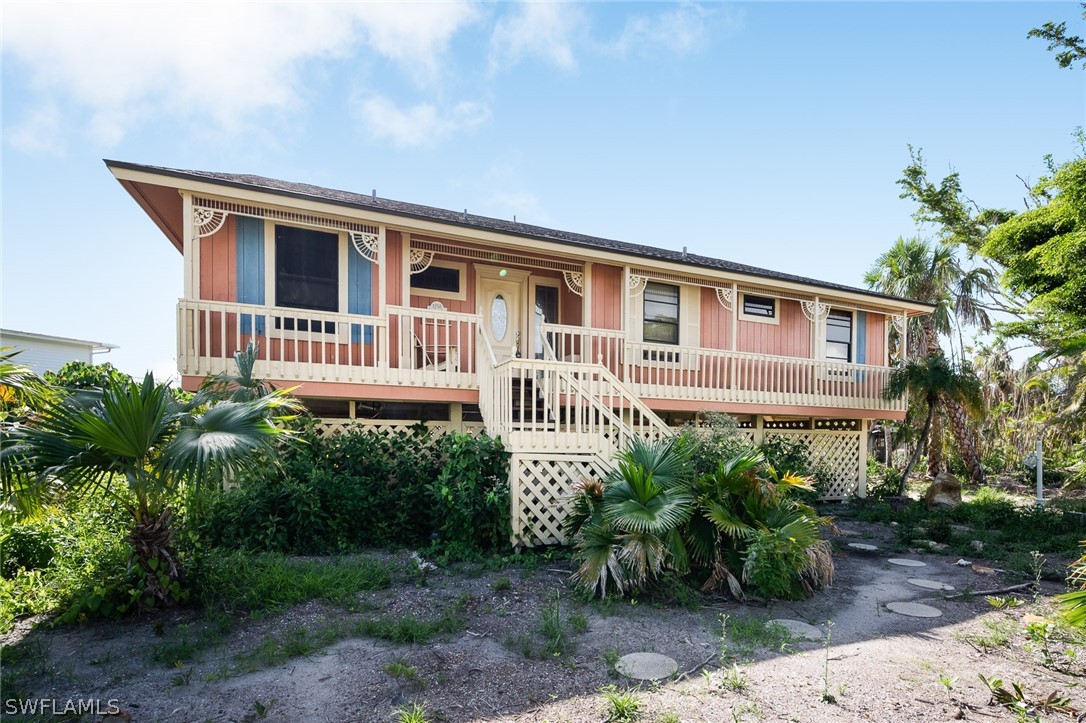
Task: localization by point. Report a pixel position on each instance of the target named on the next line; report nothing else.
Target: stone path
(646, 666)
(901, 607)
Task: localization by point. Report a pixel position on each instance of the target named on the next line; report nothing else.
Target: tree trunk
(936, 464)
(152, 543)
(935, 441)
(959, 426)
(916, 451)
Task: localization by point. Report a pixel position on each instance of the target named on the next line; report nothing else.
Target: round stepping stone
(863, 546)
(913, 610)
(906, 563)
(930, 584)
(646, 666)
(798, 629)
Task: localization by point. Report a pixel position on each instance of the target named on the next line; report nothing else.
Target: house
(564, 345)
(45, 353)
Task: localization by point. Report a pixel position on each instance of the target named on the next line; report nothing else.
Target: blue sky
(765, 133)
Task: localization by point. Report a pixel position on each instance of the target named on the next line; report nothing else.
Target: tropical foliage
(135, 441)
(739, 526)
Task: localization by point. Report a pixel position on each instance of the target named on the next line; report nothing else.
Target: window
(759, 306)
(306, 269)
(839, 336)
(441, 280)
(661, 313)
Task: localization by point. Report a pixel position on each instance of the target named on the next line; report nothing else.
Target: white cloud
(419, 125)
(543, 30)
(38, 131)
(683, 29)
(224, 63)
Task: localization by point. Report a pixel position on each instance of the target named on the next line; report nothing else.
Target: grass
(998, 632)
(621, 706)
(1009, 527)
(749, 634)
(610, 659)
(261, 583)
(400, 670)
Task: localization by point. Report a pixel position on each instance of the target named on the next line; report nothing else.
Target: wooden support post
(759, 431)
(861, 488)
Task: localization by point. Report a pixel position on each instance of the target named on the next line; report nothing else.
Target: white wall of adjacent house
(43, 355)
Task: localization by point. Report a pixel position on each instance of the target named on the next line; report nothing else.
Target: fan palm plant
(936, 381)
(628, 526)
(134, 440)
(244, 386)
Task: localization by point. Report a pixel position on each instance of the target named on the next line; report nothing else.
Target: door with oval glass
(500, 296)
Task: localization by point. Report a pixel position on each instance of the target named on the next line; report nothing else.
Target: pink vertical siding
(218, 264)
(876, 339)
(606, 296)
(716, 322)
(791, 337)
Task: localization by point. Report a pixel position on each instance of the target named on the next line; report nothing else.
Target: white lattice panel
(389, 427)
(838, 453)
(540, 490)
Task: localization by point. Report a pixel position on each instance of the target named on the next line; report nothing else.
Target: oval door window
(499, 317)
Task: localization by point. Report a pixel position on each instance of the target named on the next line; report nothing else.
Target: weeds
(827, 697)
(1016, 701)
(610, 659)
(502, 584)
(414, 713)
(734, 679)
(622, 706)
(750, 633)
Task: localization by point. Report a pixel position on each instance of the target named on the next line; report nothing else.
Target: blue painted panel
(359, 293)
(861, 337)
(249, 235)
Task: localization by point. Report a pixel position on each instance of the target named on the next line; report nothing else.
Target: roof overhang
(146, 186)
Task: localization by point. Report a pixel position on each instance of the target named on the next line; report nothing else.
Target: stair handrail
(628, 397)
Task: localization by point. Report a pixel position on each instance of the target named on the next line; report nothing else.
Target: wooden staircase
(562, 422)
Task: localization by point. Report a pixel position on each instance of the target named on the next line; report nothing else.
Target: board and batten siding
(716, 322)
(218, 263)
(791, 337)
(606, 296)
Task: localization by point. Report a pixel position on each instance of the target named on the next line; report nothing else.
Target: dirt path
(879, 666)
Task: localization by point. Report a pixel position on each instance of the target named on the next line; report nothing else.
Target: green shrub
(361, 488)
(27, 546)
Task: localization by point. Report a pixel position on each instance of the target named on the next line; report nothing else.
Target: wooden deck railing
(665, 371)
(419, 347)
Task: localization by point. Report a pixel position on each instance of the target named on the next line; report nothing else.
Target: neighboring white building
(44, 353)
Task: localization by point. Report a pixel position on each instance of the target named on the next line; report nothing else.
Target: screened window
(306, 269)
(661, 313)
(839, 336)
(437, 278)
(761, 306)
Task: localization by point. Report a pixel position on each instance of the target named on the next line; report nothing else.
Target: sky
(770, 134)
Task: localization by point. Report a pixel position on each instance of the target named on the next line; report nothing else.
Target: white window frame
(269, 284)
(823, 341)
(461, 295)
(775, 319)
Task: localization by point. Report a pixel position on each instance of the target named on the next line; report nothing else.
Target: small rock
(977, 545)
(982, 570)
(893, 524)
(937, 546)
(963, 563)
(945, 491)
(961, 530)
(1031, 619)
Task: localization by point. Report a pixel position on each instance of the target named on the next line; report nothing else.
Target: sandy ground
(878, 666)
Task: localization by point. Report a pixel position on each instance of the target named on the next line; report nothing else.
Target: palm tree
(937, 382)
(915, 269)
(136, 441)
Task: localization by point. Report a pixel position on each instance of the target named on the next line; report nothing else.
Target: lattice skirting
(837, 453)
(540, 488)
(326, 427)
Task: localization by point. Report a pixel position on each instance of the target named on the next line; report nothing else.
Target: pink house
(387, 313)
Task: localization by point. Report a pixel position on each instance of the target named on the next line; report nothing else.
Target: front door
(500, 297)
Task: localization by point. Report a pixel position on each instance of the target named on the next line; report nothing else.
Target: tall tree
(935, 380)
(932, 273)
(1074, 49)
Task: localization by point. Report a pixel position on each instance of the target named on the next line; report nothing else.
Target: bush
(739, 527)
(361, 488)
(26, 547)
